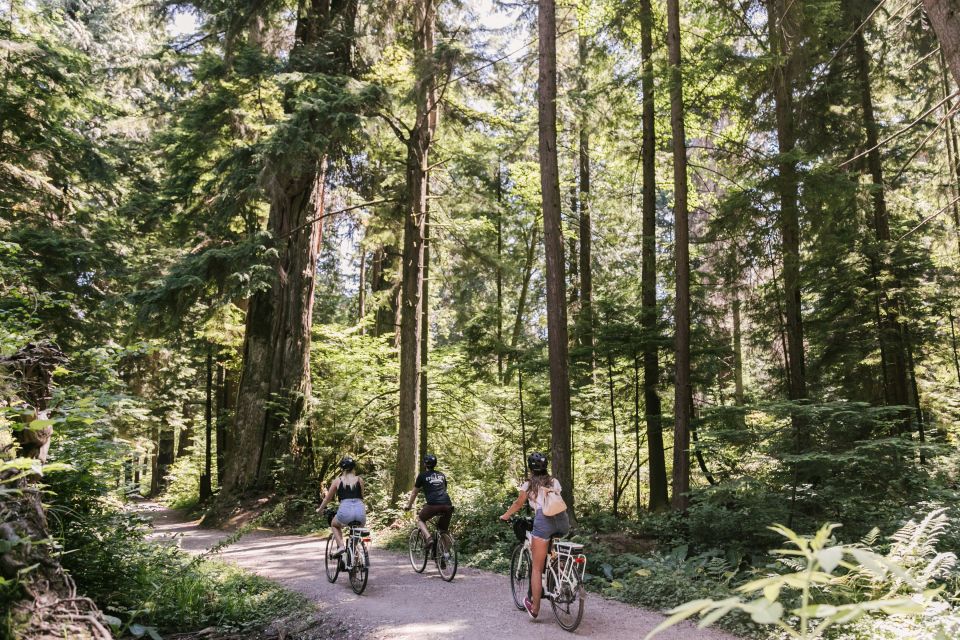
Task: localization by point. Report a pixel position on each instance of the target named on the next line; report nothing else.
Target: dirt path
(399, 604)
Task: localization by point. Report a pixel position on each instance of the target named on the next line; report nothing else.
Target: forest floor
(399, 604)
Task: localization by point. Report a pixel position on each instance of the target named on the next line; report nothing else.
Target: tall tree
(553, 249)
(414, 240)
(585, 320)
(275, 381)
(945, 18)
(682, 392)
(783, 24)
(659, 498)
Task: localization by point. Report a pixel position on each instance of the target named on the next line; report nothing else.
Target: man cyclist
(434, 487)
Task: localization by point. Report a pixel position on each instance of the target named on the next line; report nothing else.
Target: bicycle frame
(565, 556)
(355, 535)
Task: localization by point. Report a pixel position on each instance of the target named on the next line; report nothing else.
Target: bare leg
(539, 548)
(337, 529)
(423, 529)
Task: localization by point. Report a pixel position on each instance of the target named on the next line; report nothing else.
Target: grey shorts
(546, 526)
(352, 510)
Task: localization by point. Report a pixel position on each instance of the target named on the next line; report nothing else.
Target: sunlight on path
(400, 604)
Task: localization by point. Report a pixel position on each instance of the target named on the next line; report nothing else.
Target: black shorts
(443, 510)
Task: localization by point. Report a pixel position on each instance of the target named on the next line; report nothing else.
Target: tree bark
(945, 19)
(681, 438)
(531, 247)
(586, 223)
(499, 193)
(206, 478)
(553, 248)
(891, 337)
(275, 380)
(362, 292)
(636, 425)
(425, 330)
(783, 31)
(659, 498)
(616, 451)
(737, 351)
(414, 239)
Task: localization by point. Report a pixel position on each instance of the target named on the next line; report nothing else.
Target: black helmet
(537, 462)
(430, 461)
(347, 463)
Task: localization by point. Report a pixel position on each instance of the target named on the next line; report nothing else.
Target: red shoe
(529, 607)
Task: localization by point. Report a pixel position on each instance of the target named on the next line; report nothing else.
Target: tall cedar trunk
(682, 398)
(953, 150)
(414, 232)
(275, 380)
(783, 28)
(891, 337)
(586, 225)
(737, 351)
(945, 19)
(659, 498)
(186, 435)
(500, 345)
(616, 451)
(206, 478)
(553, 249)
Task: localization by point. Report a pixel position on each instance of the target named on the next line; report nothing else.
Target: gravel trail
(399, 604)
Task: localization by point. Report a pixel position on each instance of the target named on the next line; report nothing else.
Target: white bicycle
(562, 574)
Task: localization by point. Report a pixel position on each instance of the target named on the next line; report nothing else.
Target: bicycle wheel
(418, 551)
(332, 564)
(520, 565)
(568, 603)
(360, 568)
(446, 556)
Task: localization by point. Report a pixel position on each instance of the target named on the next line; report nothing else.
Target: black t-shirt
(433, 484)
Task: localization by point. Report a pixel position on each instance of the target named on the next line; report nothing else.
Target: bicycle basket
(520, 528)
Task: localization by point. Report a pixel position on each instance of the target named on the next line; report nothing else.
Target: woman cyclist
(348, 487)
(544, 526)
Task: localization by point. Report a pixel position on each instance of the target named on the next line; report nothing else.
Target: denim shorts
(351, 510)
(546, 526)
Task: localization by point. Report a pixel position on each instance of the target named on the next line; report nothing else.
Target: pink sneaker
(529, 607)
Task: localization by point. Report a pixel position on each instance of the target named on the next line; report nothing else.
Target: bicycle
(562, 574)
(354, 560)
(443, 551)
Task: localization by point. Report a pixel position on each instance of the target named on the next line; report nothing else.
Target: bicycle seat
(355, 523)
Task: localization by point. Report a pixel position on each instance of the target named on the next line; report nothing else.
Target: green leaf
(762, 611)
(829, 558)
(39, 425)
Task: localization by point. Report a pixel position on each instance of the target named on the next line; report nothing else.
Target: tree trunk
(783, 29)
(162, 458)
(524, 291)
(414, 239)
(890, 334)
(636, 424)
(499, 192)
(659, 498)
(953, 344)
(275, 380)
(616, 451)
(523, 422)
(553, 248)
(206, 478)
(737, 351)
(225, 398)
(425, 329)
(681, 437)
(945, 19)
(362, 292)
(586, 224)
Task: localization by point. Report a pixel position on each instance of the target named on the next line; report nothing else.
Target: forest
(702, 254)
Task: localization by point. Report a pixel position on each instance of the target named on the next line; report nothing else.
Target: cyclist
(434, 487)
(543, 526)
(348, 487)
